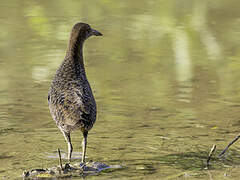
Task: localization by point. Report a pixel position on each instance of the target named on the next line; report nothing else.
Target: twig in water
(223, 152)
(210, 154)
(60, 159)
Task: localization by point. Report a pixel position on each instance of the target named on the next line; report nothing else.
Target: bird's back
(71, 102)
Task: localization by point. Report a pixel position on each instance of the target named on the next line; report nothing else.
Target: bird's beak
(96, 33)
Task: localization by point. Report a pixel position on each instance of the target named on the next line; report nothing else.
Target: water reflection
(165, 77)
(183, 65)
(200, 24)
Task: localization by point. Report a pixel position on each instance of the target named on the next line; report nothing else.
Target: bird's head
(82, 31)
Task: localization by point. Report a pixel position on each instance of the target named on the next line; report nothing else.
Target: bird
(70, 98)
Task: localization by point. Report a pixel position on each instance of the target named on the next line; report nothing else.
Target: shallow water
(165, 76)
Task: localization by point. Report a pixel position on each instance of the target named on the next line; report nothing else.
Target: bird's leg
(84, 146)
(70, 147)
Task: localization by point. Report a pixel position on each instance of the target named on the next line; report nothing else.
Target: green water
(165, 77)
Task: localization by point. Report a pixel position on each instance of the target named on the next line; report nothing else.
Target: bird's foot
(83, 165)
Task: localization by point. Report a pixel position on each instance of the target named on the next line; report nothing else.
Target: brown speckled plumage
(70, 97)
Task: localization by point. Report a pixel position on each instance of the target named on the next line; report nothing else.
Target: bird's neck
(75, 52)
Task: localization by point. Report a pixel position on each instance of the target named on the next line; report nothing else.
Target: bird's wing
(71, 107)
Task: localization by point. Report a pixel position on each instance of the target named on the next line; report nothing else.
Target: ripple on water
(184, 92)
(54, 155)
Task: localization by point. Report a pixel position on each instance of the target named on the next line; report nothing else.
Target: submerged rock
(68, 170)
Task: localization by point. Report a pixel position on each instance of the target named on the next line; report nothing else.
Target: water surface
(165, 76)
